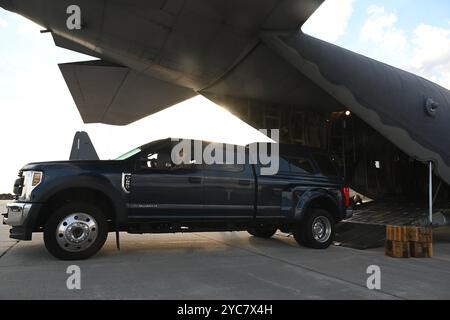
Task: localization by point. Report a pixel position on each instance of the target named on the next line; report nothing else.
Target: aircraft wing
(171, 51)
(113, 94)
(73, 46)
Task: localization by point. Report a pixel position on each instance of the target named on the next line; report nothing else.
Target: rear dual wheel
(316, 231)
(76, 231)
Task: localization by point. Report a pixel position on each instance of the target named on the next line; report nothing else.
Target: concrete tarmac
(230, 265)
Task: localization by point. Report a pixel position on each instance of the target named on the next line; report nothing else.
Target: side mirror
(145, 163)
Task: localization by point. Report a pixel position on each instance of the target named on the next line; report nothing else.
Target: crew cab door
(229, 190)
(162, 190)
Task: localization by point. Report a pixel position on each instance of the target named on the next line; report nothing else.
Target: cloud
(380, 28)
(3, 23)
(28, 28)
(425, 53)
(331, 20)
(431, 53)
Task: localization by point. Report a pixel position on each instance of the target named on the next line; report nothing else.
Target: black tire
(94, 231)
(263, 232)
(305, 235)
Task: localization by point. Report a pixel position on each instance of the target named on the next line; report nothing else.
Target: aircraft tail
(82, 148)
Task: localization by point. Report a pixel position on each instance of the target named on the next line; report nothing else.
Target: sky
(413, 35)
(38, 117)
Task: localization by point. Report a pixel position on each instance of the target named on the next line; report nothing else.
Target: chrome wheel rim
(321, 229)
(77, 232)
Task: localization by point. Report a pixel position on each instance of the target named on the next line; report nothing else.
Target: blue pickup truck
(77, 203)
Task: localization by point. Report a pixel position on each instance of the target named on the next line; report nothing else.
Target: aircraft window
(325, 165)
(300, 165)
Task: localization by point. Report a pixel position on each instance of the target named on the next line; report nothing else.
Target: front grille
(18, 185)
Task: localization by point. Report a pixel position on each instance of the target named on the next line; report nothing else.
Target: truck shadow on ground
(160, 246)
(157, 246)
(200, 243)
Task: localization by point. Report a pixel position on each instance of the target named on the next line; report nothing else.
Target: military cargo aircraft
(384, 125)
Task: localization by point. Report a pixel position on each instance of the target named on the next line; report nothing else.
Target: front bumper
(20, 216)
(17, 214)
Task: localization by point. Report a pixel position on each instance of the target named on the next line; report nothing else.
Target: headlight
(31, 180)
(37, 178)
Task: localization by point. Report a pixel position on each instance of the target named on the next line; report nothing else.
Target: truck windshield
(129, 154)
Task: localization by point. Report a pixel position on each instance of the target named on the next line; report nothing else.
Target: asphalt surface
(219, 266)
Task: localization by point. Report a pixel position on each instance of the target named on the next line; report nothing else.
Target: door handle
(244, 182)
(195, 180)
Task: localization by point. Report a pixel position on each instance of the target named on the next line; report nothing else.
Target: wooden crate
(420, 242)
(421, 249)
(420, 234)
(397, 249)
(405, 242)
(396, 233)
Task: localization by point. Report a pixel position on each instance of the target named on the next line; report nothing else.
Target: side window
(162, 160)
(325, 164)
(223, 157)
(300, 165)
(225, 167)
(182, 163)
(159, 160)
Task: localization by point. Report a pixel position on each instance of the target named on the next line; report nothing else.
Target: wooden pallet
(405, 242)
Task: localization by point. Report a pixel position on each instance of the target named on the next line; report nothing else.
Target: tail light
(346, 193)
